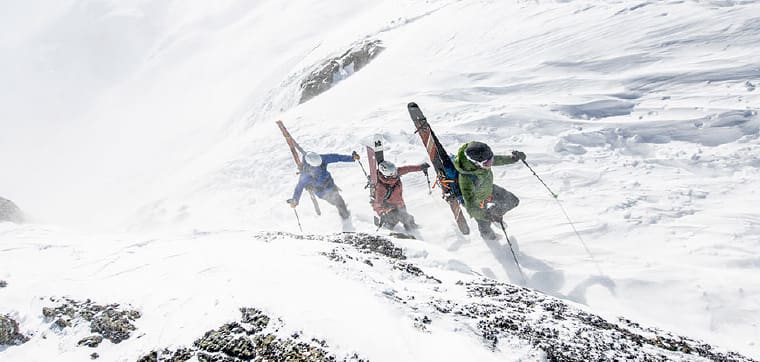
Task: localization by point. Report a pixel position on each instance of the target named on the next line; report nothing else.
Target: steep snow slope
(643, 117)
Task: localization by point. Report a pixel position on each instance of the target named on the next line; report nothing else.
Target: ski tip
(412, 105)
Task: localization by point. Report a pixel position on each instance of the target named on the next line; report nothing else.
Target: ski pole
(298, 219)
(503, 228)
(380, 223)
(430, 188)
(363, 170)
(539, 179)
(572, 225)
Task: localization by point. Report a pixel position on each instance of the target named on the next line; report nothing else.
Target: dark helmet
(479, 153)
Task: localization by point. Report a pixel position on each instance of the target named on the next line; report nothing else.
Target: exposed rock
(113, 324)
(333, 70)
(94, 356)
(107, 321)
(251, 339)
(559, 330)
(567, 333)
(414, 270)
(9, 333)
(179, 355)
(255, 318)
(91, 341)
(3, 284)
(366, 243)
(10, 212)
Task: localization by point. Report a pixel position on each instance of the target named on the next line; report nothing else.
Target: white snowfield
(141, 138)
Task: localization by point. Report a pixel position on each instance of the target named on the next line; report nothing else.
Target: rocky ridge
(504, 315)
(112, 322)
(252, 338)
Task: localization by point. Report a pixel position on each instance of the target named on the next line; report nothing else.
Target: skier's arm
(302, 181)
(500, 160)
(403, 170)
(334, 157)
(506, 160)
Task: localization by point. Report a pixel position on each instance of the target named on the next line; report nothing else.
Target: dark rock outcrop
(334, 70)
(91, 341)
(9, 333)
(567, 333)
(250, 339)
(496, 311)
(366, 243)
(10, 212)
(110, 321)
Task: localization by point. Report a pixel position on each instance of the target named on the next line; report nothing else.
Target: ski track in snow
(642, 117)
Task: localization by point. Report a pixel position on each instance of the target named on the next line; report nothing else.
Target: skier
(315, 177)
(389, 199)
(484, 201)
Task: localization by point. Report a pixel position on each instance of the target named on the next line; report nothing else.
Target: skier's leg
(484, 226)
(334, 198)
(391, 218)
(407, 219)
(504, 201)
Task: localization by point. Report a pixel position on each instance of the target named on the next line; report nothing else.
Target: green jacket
(476, 183)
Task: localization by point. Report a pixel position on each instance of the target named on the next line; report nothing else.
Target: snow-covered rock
(9, 332)
(10, 212)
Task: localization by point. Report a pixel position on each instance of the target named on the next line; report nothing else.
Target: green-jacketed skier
(484, 201)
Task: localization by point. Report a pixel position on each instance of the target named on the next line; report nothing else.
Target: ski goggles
(482, 164)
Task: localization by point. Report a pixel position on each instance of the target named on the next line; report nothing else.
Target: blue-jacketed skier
(315, 177)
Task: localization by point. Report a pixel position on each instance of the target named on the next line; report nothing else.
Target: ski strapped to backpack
(374, 157)
(444, 167)
(297, 153)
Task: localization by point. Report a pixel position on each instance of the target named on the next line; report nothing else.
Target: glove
(425, 166)
(292, 203)
(518, 155)
(355, 155)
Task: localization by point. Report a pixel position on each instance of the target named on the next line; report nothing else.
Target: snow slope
(642, 116)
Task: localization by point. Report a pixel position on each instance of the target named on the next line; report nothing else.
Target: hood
(463, 165)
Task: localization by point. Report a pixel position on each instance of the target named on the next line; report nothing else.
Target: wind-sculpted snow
(641, 116)
(715, 130)
(597, 109)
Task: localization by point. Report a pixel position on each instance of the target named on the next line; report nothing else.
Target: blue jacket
(318, 179)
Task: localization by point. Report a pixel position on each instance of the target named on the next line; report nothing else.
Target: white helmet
(387, 169)
(313, 159)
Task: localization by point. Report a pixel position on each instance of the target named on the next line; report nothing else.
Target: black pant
(400, 215)
(334, 198)
(502, 201)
